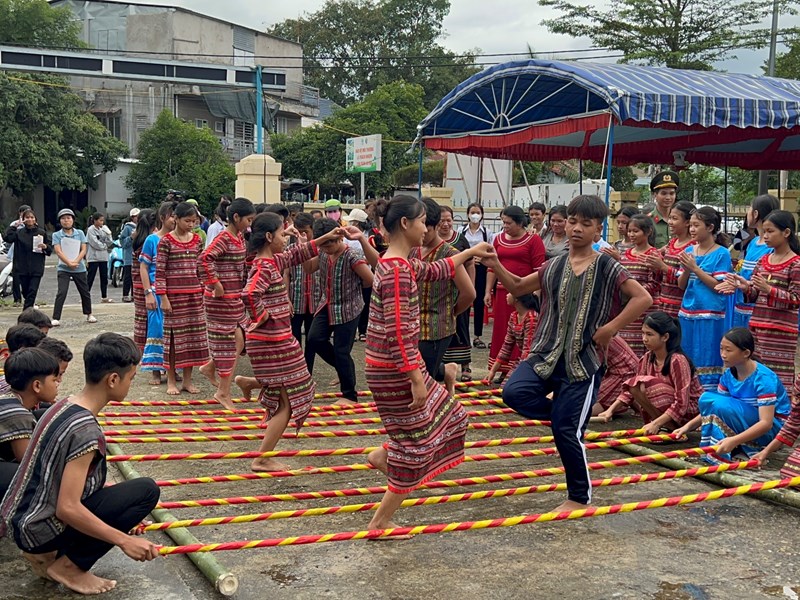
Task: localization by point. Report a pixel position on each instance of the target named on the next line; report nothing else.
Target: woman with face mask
(475, 232)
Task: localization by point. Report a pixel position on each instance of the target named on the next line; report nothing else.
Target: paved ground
(734, 548)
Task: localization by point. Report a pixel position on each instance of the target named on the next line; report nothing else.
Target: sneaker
(107, 300)
(91, 319)
(54, 322)
(17, 304)
(127, 299)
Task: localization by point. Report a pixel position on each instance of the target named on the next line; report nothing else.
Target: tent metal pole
(725, 202)
(419, 172)
(608, 173)
(259, 113)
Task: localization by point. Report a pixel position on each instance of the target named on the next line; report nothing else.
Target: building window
(244, 131)
(244, 47)
(219, 127)
(111, 121)
(141, 122)
(281, 125)
(200, 123)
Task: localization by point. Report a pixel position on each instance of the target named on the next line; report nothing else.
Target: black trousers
(16, 289)
(337, 354)
(102, 267)
(63, 286)
(569, 411)
(364, 318)
(29, 285)
(480, 291)
(122, 506)
(127, 281)
(300, 324)
(7, 472)
(432, 352)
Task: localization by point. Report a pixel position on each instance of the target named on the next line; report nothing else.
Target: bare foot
(334, 382)
(155, 381)
(172, 389)
(190, 389)
(40, 563)
(569, 506)
(343, 402)
(224, 400)
(387, 525)
(66, 572)
(379, 459)
(247, 385)
(209, 371)
(267, 465)
(450, 372)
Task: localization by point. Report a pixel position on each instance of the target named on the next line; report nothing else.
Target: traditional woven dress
(621, 364)
(426, 441)
(790, 431)
(742, 307)
(774, 318)
(223, 262)
(176, 276)
(651, 281)
(519, 338)
(16, 423)
(671, 295)
(733, 408)
(460, 349)
(153, 352)
(703, 317)
(521, 257)
(139, 308)
(675, 394)
(274, 352)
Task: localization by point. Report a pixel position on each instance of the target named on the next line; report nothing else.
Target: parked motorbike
(6, 278)
(115, 264)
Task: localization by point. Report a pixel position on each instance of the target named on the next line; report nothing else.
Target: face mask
(475, 218)
(334, 214)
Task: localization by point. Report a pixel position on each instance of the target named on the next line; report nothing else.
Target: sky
(494, 26)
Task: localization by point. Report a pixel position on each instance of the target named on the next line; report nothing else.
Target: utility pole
(763, 175)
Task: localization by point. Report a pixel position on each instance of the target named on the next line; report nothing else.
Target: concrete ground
(734, 548)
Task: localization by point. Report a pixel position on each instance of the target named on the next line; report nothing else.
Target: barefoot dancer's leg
(379, 459)
(40, 562)
(187, 382)
(450, 371)
(68, 574)
(383, 516)
(223, 395)
(172, 385)
(247, 385)
(277, 425)
(155, 378)
(209, 371)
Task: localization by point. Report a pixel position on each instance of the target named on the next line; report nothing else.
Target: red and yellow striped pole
(606, 464)
(591, 511)
(444, 499)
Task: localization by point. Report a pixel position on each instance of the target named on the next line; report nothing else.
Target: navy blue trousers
(569, 411)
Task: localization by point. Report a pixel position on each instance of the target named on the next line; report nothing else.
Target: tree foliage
(432, 174)
(176, 155)
(684, 34)
(317, 154)
(787, 64)
(352, 47)
(46, 137)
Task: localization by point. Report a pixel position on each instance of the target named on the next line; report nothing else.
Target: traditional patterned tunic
(426, 441)
(519, 337)
(703, 317)
(153, 352)
(650, 280)
(671, 295)
(790, 431)
(177, 278)
(305, 291)
(139, 308)
(733, 409)
(437, 299)
(223, 261)
(774, 318)
(274, 352)
(621, 365)
(564, 332)
(460, 349)
(65, 432)
(675, 394)
(743, 308)
(16, 423)
(521, 257)
(340, 286)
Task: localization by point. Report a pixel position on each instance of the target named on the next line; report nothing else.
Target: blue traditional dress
(733, 408)
(743, 310)
(153, 355)
(703, 316)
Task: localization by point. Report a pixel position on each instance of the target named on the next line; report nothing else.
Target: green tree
(176, 155)
(408, 176)
(317, 154)
(46, 137)
(787, 64)
(351, 47)
(684, 34)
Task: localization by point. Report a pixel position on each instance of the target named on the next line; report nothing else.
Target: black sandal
(478, 343)
(466, 374)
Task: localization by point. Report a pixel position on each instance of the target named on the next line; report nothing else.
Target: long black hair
(144, 227)
(266, 222)
(711, 216)
(164, 211)
(684, 207)
(516, 214)
(743, 339)
(221, 212)
(645, 224)
(663, 324)
(398, 207)
(241, 206)
(783, 220)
